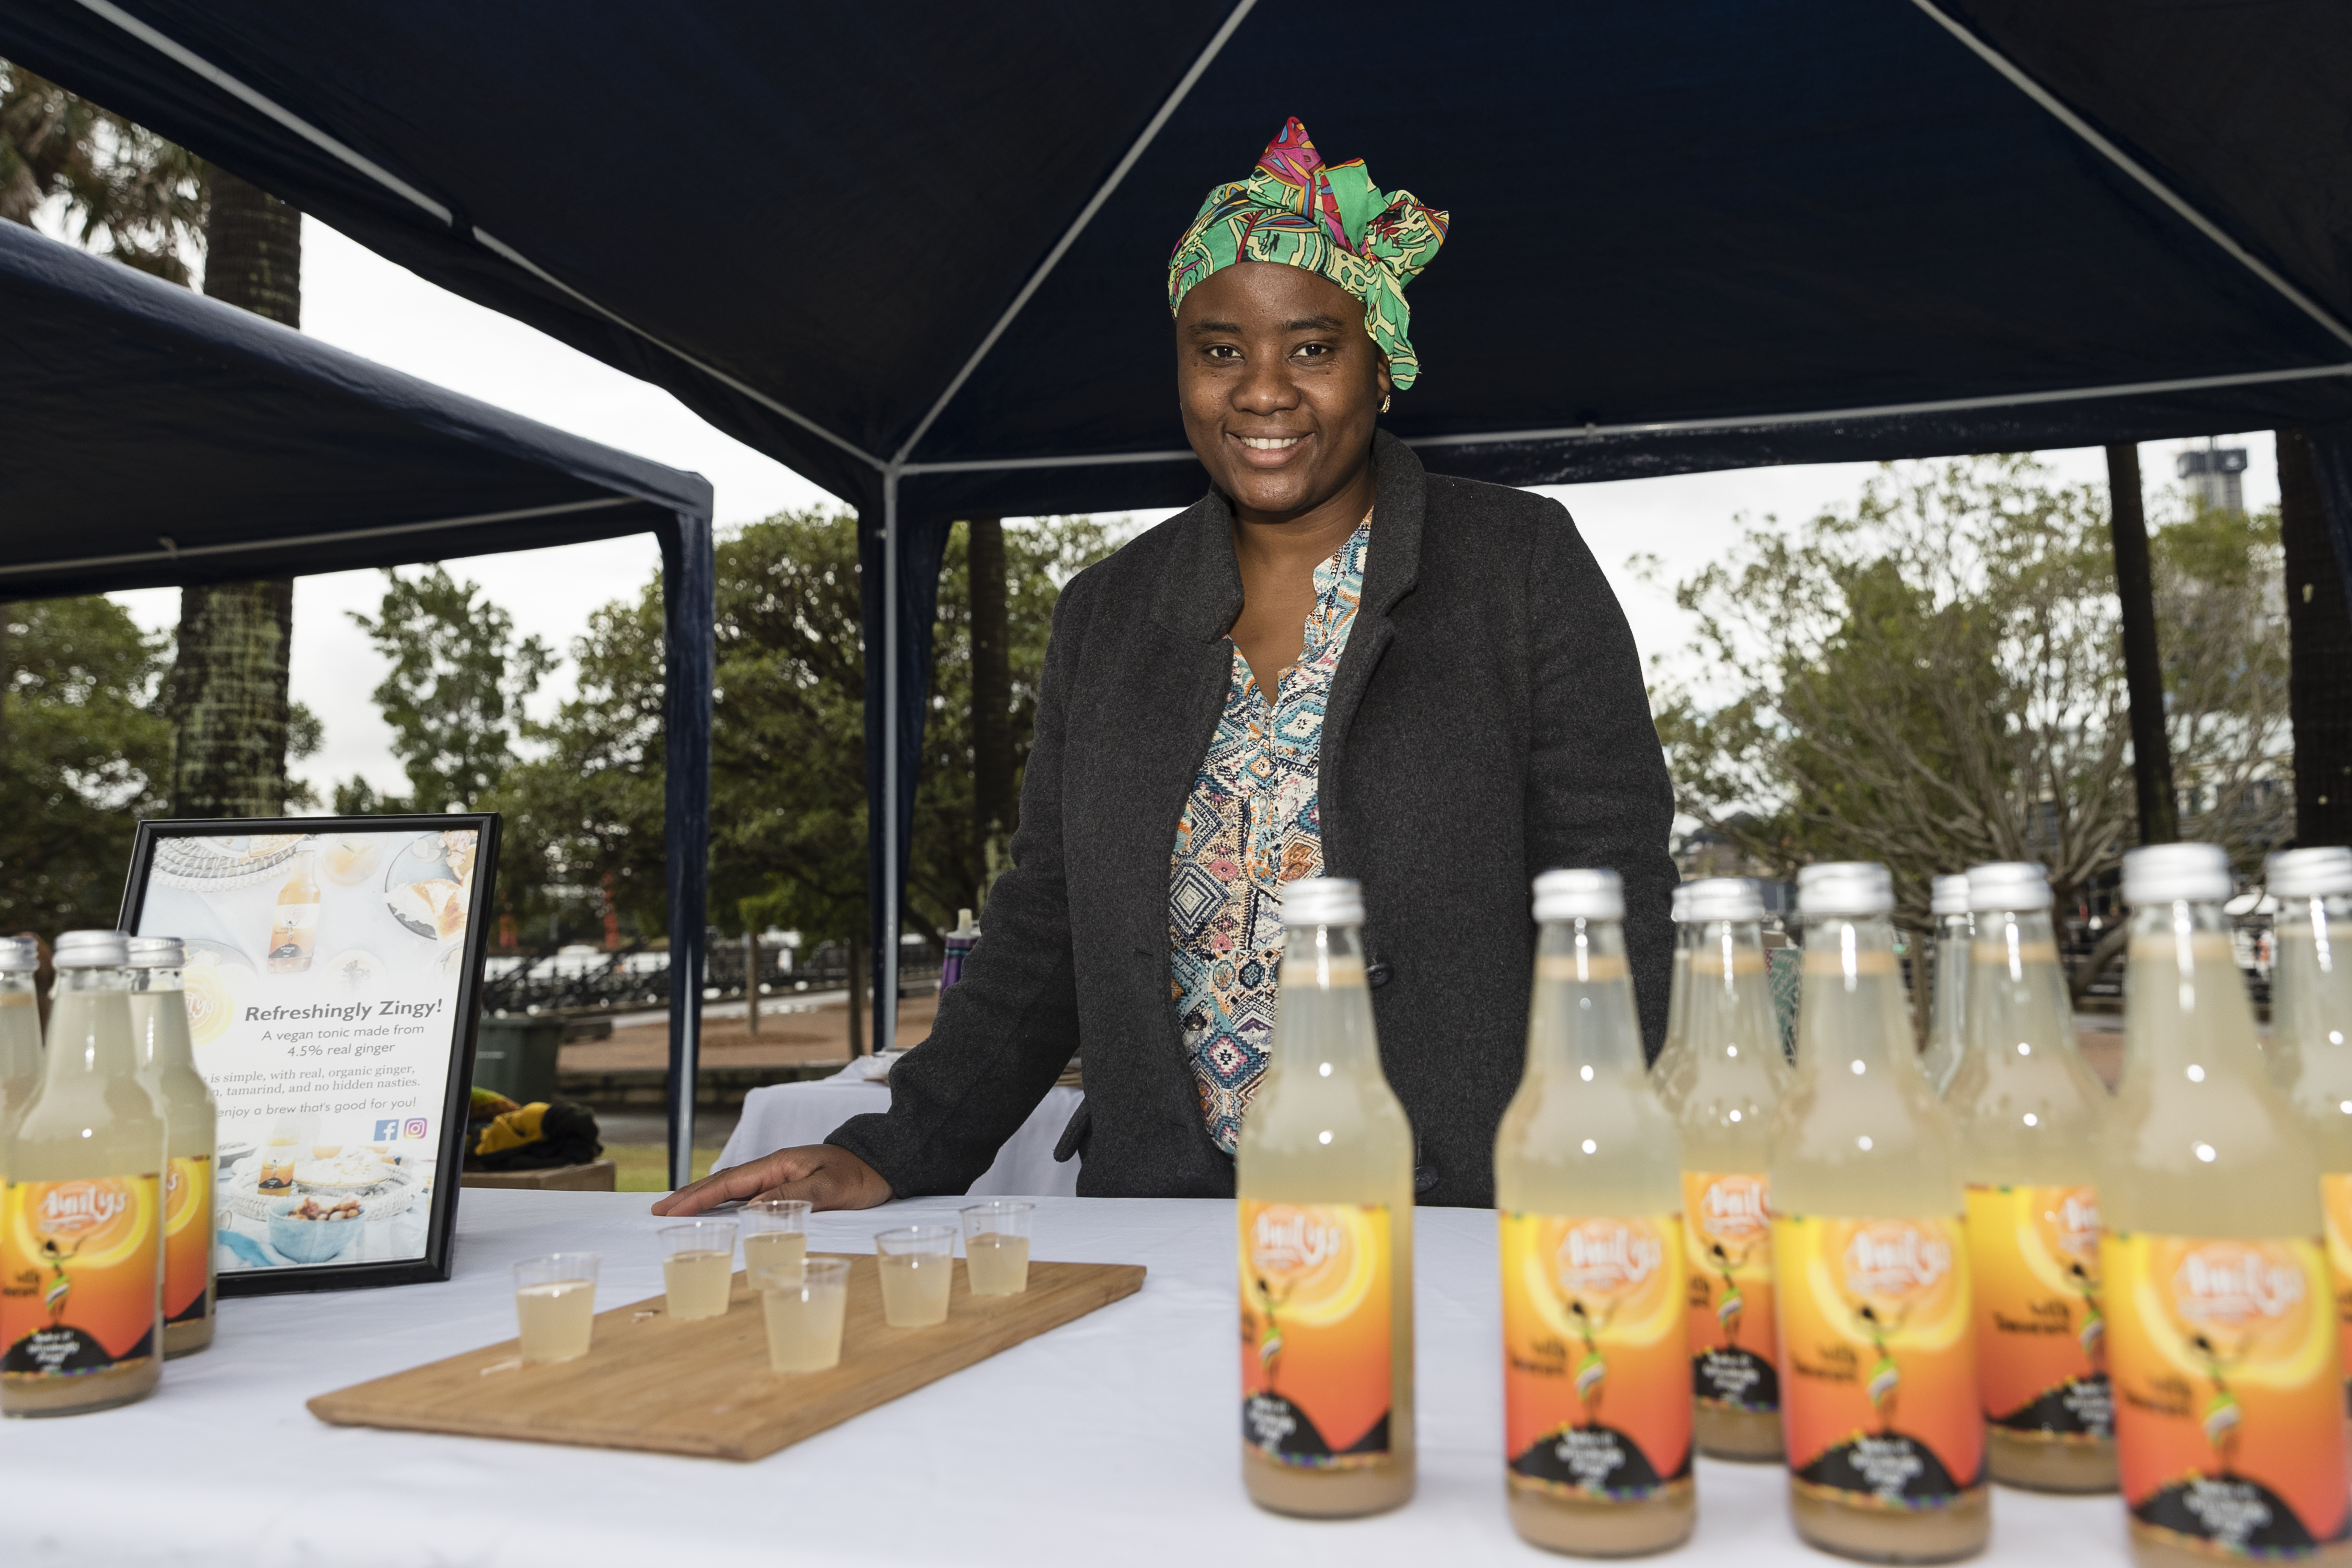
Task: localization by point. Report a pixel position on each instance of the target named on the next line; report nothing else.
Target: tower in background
(2215, 475)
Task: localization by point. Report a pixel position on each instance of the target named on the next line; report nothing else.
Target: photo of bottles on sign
(326, 974)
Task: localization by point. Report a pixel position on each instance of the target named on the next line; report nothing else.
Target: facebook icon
(385, 1131)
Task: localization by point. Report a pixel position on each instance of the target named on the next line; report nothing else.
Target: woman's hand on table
(827, 1176)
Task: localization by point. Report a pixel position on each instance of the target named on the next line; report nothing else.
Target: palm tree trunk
(995, 802)
(228, 686)
(2319, 653)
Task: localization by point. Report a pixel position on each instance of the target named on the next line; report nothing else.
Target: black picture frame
(455, 1096)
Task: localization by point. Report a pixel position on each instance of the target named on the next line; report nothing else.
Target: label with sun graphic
(2230, 1433)
(1734, 1323)
(2336, 1199)
(81, 1276)
(187, 1235)
(1878, 1393)
(2042, 1361)
(1317, 1314)
(1596, 1361)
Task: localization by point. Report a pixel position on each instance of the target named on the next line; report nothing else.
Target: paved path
(794, 1031)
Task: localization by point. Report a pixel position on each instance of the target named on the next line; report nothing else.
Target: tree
(455, 696)
(1936, 680)
(87, 755)
(125, 192)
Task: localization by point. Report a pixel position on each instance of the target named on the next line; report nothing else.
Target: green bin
(514, 1055)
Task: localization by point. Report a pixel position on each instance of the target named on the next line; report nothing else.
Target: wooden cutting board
(703, 1387)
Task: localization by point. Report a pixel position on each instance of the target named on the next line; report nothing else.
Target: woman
(1334, 664)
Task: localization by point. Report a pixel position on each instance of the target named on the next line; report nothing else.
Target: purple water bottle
(958, 942)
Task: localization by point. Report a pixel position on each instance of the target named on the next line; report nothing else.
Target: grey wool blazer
(1488, 721)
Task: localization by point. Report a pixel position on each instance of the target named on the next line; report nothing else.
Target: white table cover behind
(787, 1115)
(1112, 1439)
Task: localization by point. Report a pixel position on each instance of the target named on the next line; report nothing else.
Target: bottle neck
(2311, 975)
(158, 980)
(1580, 1015)
(1851, 1017)
(1323, 1020)
(2185, 1005)
(90, 1026)
(2017, 999)
(16, 983)
(1730, 1010)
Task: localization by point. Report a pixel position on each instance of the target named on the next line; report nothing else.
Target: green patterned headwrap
(1328, 218)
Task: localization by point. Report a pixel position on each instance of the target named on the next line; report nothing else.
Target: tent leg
(2159, 819)
(689, 606)
(2319, 634)
(886, 945)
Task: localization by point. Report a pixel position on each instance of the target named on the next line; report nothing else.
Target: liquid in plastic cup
(698, 1267)
(996, 1246)
(775, 1234)
(804, 1302)
(917, 1266)
(555, 1302)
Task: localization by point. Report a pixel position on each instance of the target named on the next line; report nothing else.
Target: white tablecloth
(1111, 1440)
(786, 1115)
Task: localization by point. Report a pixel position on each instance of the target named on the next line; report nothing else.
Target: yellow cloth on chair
(513, 1129)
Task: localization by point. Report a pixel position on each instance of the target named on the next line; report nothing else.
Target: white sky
(357, 301)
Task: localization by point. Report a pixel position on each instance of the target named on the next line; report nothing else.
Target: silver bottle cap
(1725, 898)
(1848, 888)
(1948, 894)
(2162, 873)
(1589, 894)
(158, 952)
(92, 950)
(19, 954)
(2311, 873)
(1323, 901)
(2008, 885)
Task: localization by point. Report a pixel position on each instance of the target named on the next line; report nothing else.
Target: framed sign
(334, 971)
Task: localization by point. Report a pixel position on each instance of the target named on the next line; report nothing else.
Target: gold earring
(1385, 400)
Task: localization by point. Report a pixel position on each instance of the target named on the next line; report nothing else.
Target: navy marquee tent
(915, 251)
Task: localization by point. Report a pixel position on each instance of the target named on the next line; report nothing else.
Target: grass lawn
(645, 1167)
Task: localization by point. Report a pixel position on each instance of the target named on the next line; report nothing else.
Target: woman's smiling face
(1279, 384)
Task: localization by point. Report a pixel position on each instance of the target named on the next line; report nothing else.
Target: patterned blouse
(1253, 823)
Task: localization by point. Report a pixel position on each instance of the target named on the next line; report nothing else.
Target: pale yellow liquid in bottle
(167, 1065)
(2310, 1053)
(1667, 1068)
(2201, 1142)
(997, 1265)
(915, 1288)
(1587, 1137)
(20, 1050)
(90, 1118)
(1861, 1135)
(805, 1329)
(2029, 1114)
(1324, 1128)
(1724, 1096)
(766, 1249)
(557, 1319)
(1948, 998)
(697, 1283)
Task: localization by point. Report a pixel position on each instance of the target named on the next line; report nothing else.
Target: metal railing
(633, 980)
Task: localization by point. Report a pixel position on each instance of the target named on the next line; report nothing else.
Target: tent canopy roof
(1687, 232)
(154, 436)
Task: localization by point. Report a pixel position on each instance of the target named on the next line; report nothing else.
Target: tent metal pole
(689, 605)
(886, 942)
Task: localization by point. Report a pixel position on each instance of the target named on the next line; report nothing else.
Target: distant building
(2214, 475)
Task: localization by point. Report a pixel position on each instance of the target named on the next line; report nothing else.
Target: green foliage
(85, 750)
(1936, 680)
(455, 696)
(128, 193)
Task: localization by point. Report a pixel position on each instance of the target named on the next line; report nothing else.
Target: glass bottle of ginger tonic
(1947, 996)
(20, 1032)
(167, 1065)
(1588, 1191)
(1665, 1070)
(1726, 1091)
(1324, 1176)
(1878, 1391)
(81, 1224)
(2310, 1054)
(2029, 1116)
(2221, 1340)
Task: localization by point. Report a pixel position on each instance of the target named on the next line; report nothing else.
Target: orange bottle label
(1734, 1323)
(1596, 1379)
(187, 1235)
(1878, 1397)
(2336, 1199)
(2230, 1433)
(81, 1266)
(2041, 1362)
(1318, 1361)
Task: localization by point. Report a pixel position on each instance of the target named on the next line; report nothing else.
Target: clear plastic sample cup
(917, 1264)
(775, 1234)
(996, 1246)
(698, 1267)
(804, 1302)
(555, 1301)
